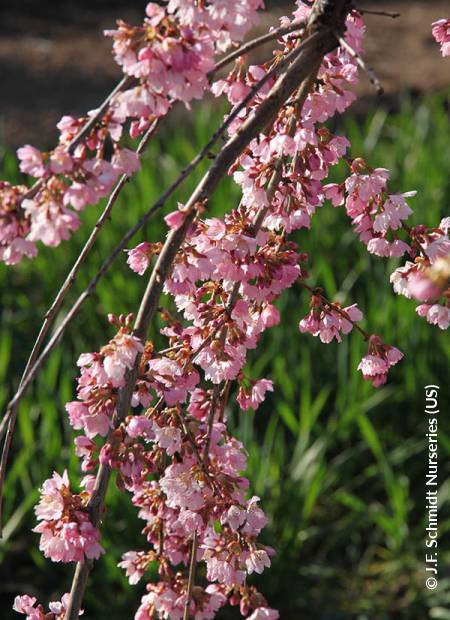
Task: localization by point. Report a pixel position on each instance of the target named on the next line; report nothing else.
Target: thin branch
(191, 578)
(364, 66)
(193, 562)
(197, 454)
(209, 427)
(99, 112)
(84, 131)
(380, 13)
(224, 399)
(254, 43)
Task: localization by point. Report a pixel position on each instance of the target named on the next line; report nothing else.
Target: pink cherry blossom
(422, 288)
(126, 161)
(251, 399)
(182, 488)
(135, 564)
(139, 258)
(168, 438)
(120, 355)
(24, 604)
(435, 314)
(256, 561)
(327, 321)
(31, 161)
(176, 218)
(67, 535)
(27, 605)
(380, 358)
(400, 278)
(441, 32)
(395, 210)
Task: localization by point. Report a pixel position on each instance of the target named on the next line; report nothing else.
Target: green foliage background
(340, 466)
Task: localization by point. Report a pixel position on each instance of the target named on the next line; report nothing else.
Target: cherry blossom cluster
(380, 357)
(427, 277)
(65, 183)
(327, 320)
(176, 458)
(173, 452)
(67, 535)
(379, 217)
(29, 606)
(167, 59)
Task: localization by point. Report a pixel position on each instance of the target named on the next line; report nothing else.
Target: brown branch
(364, 66)
(191, 578)
(257, 42)
(84, 131)
(326, 16)
(379, 13)
(210, 423)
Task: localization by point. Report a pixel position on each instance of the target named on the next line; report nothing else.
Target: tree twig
(84, 131)
(191, 578)
(257, 42)
(364, 66)
(210, 423)
(394, 15)
(99, 112)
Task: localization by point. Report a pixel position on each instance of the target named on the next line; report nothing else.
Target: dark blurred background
(54, 59)
(339, 466)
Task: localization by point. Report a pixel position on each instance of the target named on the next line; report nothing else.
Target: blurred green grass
(339, 466)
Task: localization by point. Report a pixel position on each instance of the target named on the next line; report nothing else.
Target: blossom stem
(224, 399)
(191, 578)
(391, 14)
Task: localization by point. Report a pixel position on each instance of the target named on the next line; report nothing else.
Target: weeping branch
(204, 153)
(327, 17)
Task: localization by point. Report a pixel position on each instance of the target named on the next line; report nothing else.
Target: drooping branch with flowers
(157, 420)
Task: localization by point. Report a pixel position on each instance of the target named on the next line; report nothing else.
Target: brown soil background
(54, 59)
